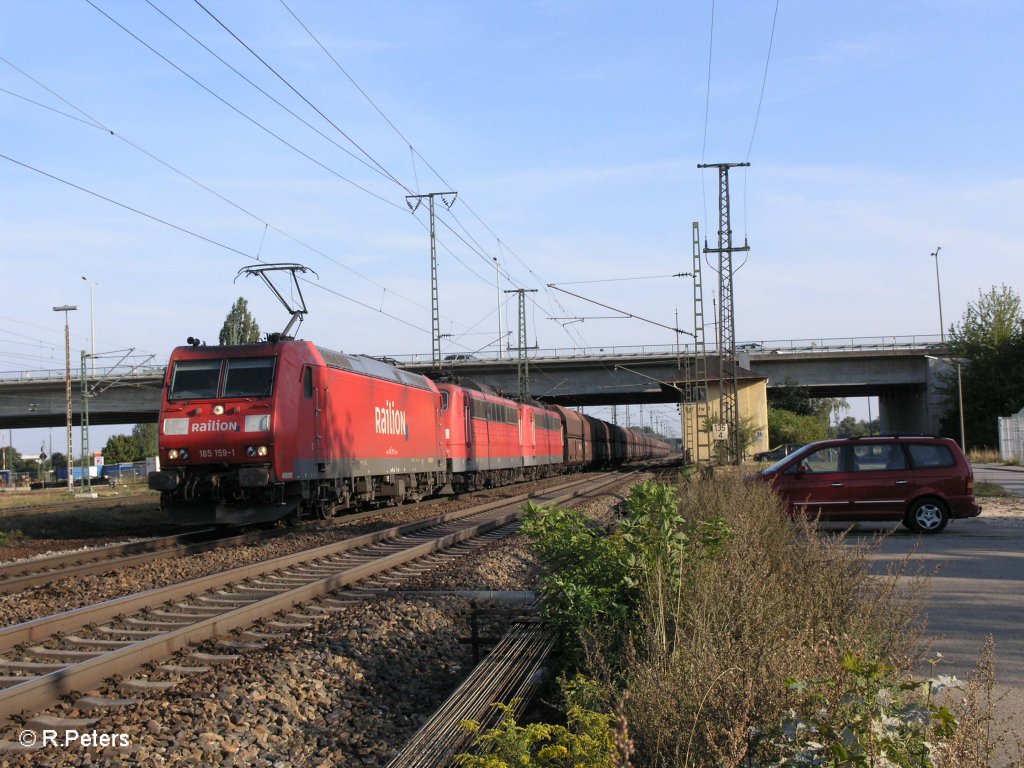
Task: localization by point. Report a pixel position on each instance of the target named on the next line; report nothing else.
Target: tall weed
(714, 645)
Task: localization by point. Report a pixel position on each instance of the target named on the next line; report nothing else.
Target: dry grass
(29, 529)
(24, 499)
(709, 665)
(981, 740)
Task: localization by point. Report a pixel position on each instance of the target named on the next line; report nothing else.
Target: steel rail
(18, 575)
(29, 573)
(505, 676)
(264, 598)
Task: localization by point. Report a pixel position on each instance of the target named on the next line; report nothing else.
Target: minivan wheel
(928, 516)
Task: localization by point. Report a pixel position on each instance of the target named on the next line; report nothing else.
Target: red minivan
(921, 481)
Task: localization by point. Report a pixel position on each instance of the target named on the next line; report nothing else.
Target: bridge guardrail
(774, 346)
(836, 344)
(122, 372)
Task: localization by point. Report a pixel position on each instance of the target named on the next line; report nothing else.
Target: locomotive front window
(195, 379)
(249, 377)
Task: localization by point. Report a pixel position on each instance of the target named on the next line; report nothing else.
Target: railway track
(58, 655)
(23, 574)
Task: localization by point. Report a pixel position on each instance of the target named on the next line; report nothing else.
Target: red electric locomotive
(541, 432)
(484, 436)
(258, 432)
(254, 433)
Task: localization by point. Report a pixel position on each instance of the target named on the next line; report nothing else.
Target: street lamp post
(92, 324)
(65, 308)
(938, 290)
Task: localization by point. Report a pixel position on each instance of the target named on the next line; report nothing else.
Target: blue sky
(571, 131)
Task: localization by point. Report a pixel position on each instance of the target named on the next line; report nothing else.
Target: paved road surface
(1011, 478)
(978, 589)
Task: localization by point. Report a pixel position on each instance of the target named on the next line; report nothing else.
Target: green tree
(789, 427)
(142, 442)
(12, 459)
(57, 459)
(119, 448)
(145, 438)
(792, 397)
(239, 327)
(796, 417)
(989, 343)
(854, 427)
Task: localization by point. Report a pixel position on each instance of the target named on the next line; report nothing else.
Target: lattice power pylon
(523, 365)
(698, 438)
(435, 314)
(728, 384)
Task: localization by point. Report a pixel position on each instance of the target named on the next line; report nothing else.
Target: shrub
(707, 664)
(587, 741)
(727, 634)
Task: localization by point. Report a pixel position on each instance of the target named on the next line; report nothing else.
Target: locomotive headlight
(262, 450)
(218, 410)
(177, 453)
(172, 453)
(183, 453)
(256, 450)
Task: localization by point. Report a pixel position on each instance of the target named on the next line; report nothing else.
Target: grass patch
(24, 499)
(9, 538)
(113, 518)
(990, 490)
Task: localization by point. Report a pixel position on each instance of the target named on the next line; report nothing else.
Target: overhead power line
(625, 314)
(302, 96)
(99, 125)
(480, 250)
(764, 80)
(198, 236)
(243, 114)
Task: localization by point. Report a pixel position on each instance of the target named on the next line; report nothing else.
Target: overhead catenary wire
(757, 115)
(204, 238)
(481, 251)
(92, 121)
(458, 224)
(478, 249)
(764, 81)
(243, 114)
(99, 125)
(287, 109)
(302, 96)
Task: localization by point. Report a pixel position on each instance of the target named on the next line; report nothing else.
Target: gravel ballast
(350, 690)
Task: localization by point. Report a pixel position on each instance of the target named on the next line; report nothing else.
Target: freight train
(285, 429)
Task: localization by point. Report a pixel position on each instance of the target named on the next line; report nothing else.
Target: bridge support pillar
(904, 411)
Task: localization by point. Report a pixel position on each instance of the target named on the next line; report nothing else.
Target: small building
(699, 413)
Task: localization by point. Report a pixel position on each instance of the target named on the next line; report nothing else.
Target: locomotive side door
(312, 418)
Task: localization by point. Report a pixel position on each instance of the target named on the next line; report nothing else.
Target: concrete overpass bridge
(902, 371)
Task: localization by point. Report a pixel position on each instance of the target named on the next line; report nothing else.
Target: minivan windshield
(786, 459)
